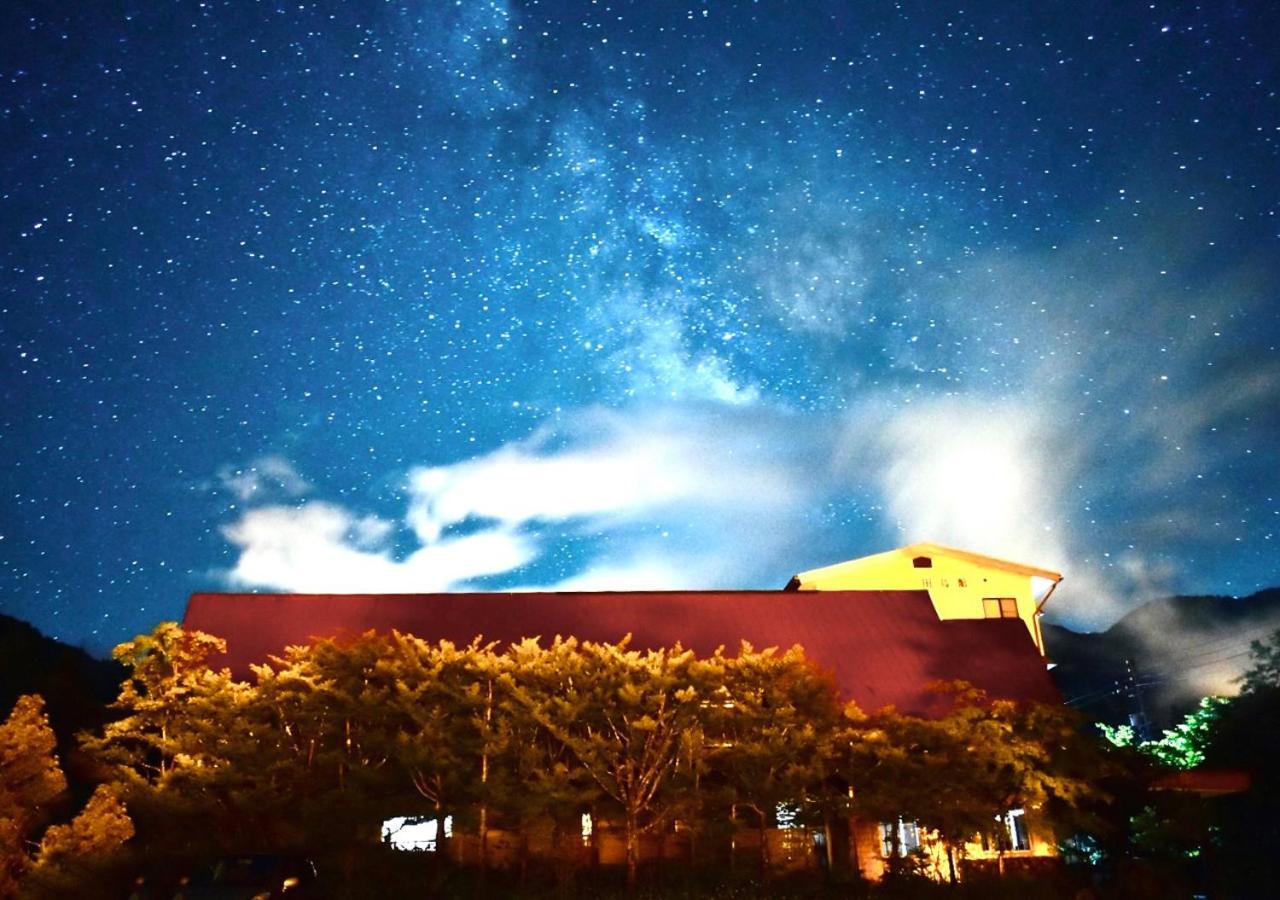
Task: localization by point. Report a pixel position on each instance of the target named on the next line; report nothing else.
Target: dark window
(922, 562)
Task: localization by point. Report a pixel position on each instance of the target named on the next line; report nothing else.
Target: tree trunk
(854, 858)
(633, 850)
(524, 855)
(484, 842)
(484, 781)
(764, 847)
(895, 848)
(951, 862)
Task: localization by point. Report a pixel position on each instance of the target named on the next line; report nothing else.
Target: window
(922, 562)
(415, 832)
(1015, 830)
(908, 837)
(1000, 607)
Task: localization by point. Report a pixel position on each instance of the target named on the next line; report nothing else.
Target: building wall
(867, 852)
(956, 586)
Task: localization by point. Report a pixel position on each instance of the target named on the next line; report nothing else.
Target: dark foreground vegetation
(307, 759)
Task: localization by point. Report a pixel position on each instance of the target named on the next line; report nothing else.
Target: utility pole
(1138, 719)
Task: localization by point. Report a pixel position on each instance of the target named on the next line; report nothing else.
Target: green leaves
(1182, 747)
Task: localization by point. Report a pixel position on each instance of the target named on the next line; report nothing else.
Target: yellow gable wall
(956, 585)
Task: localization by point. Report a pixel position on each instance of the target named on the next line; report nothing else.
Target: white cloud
(323, 548)
(618, 467)
(688, 496)
(974, 475)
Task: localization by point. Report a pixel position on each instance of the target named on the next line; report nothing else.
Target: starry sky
(392, 296)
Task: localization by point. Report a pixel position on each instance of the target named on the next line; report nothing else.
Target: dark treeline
(328, 741)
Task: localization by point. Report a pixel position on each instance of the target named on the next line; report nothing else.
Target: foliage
(955, 774)
(71, 855)
(1264, 672)
(328, 740)
(773, 720)
(30, 781)
(1183, 746)
(620, 716)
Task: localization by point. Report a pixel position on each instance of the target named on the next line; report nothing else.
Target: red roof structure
(882, 647)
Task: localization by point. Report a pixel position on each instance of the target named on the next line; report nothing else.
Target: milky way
(432, 296)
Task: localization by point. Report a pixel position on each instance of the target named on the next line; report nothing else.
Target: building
(962, 585)
(883, 646)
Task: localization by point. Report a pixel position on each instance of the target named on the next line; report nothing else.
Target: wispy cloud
(266, 477)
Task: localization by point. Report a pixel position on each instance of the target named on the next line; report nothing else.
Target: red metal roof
(883, 647)
(1206, 782)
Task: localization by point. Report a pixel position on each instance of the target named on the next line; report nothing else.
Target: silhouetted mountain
(1162, 657)
(76, 686)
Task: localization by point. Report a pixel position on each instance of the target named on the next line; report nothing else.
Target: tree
(772, 722)
(160, 732)
(449, 699)
(30, 781)
(1184, 745)
(328, 752)
(1264, 672)
(1247, 738)
(956, 774)
(542, 779)
(619, 714)
(178, 750)
(70, 855)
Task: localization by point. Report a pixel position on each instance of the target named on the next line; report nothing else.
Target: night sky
(435, 296)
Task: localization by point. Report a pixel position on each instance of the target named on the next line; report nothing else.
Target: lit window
(1016, 822)
(908, 837)
(787, 815)
(587, 828)
(1000, 607)
(415, 832)
(1013, 831)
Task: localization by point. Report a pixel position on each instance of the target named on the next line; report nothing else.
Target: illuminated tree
(773, 723)
(162, 729)
(70, 855)
(541, 778)
(1184, 745)
(30, 781)
(177, 752)
(619, 714)
(450, 702)
(956, 774)
(326, 755)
